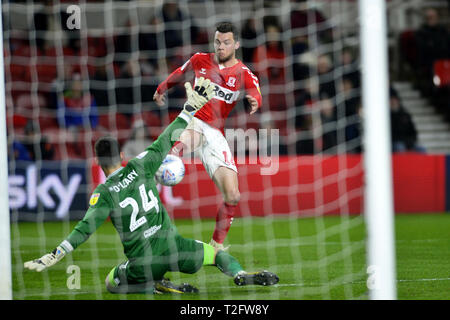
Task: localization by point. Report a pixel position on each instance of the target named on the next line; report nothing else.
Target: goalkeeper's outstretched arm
(99, 210)
(197, 97)
(101, 206)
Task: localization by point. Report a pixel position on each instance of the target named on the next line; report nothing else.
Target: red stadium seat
(17, 72)
(152, 123)
(442, 73)
(97, 46)
(151, 119)
(29, 101)
(47, 122)
(54, 52)
(103, 121)
(116, 121)
(19, 62)
(25, 51)
(45, 72)
(28, 106)
(19, 121)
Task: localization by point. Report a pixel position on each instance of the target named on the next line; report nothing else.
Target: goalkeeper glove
(46, 261)
(197, 97)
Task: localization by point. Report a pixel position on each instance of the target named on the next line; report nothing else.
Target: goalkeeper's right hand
(46, 261)
(197, 97)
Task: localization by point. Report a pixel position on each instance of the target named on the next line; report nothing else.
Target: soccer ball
(171, 171)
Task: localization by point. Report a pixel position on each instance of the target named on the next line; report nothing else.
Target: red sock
(177, 149)
(224, 219)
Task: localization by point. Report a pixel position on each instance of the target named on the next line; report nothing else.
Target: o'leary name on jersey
(125, 182)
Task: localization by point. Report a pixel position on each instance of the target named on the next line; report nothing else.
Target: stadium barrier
(304, 186)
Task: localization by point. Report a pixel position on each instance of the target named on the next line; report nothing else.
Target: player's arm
(97, 213)
(153, 156)
(252, 89)
(174, 78)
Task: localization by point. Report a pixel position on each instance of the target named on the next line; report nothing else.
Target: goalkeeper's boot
(165, 286)
(263, 278)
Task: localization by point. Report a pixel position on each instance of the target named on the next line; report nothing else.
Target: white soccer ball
(171, 171)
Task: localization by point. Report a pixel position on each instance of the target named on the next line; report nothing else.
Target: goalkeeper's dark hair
(107, 151)
(226, 26)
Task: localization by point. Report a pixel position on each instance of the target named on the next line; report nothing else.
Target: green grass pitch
(315, 258)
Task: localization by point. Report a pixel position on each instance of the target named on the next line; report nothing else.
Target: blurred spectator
(138, 141)
(99, 87)
(127, 82)
(403, 130)
(299, 48)
(131, 87)
(325, 72)
(59, 85)
(41, 23)
(19, 152)
(269, 65)
(433, 43)
(299, 45)
(303, 15)
(174, 20)
(349, 95)
(350, 67)
(248, 40)
(304, 143)
(349, 108)
(328, 119)
(37, 144)
(148, 38)
(126, 41)
(78, 108)
(52, 17)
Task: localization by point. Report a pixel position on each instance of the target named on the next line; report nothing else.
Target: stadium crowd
(425, 52)
(70, 95)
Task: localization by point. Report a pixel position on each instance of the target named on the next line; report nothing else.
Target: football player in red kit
(205, 133)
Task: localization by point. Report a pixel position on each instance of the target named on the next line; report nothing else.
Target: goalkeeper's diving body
(150, 240)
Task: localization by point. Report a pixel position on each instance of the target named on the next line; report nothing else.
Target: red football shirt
(230, 84)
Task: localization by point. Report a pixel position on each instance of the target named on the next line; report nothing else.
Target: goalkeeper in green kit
(151, 242)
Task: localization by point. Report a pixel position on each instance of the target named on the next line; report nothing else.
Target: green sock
(227, 264)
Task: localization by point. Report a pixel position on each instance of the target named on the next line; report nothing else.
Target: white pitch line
(420, 280)
(353, 282)
(279, 285)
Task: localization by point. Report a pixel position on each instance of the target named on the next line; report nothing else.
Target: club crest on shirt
(94, 199)
(202, 71)
(231, 81)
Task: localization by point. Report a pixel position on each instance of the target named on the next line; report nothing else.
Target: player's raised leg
(226, 180)
(188, 142)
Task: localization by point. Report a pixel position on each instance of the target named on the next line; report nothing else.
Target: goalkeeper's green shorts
(174, 254)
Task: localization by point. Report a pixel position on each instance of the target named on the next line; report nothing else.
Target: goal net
(78, 70)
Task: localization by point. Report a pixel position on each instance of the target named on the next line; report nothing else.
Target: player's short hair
(224, 27)
(107, 151)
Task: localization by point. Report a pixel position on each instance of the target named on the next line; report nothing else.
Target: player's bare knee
(232, 197)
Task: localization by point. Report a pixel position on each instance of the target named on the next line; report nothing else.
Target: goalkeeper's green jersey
(130, 198)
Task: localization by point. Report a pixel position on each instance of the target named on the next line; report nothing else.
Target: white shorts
(214, 150)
